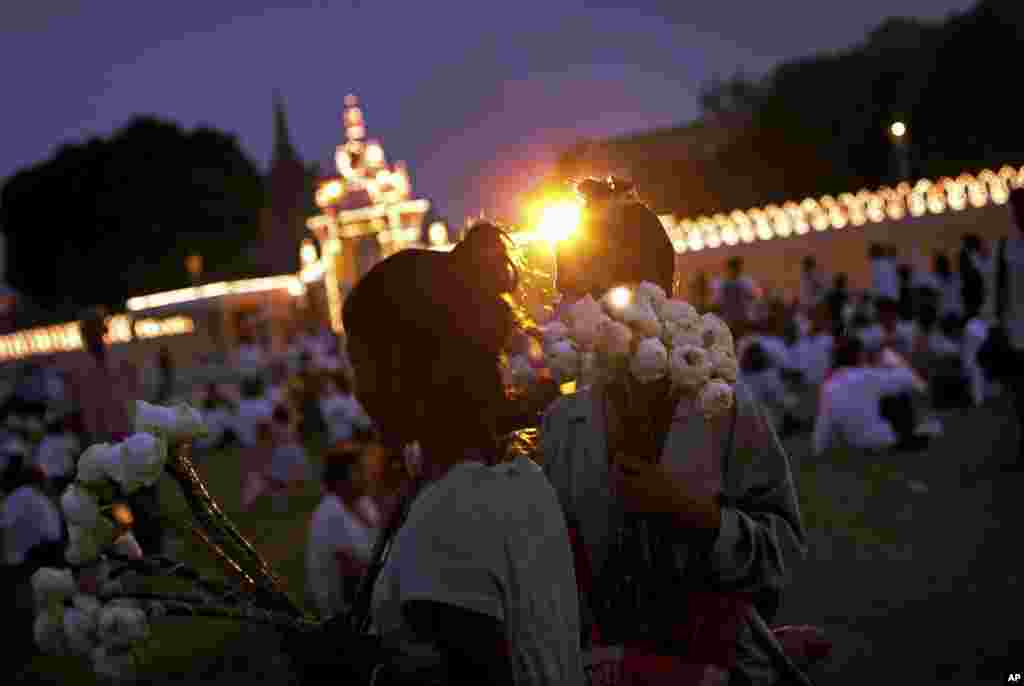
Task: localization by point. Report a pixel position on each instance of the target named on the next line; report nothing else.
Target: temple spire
(283, 149)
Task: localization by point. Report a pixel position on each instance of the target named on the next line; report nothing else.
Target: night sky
(474, 96)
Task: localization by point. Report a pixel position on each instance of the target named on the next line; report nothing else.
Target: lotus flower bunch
(70, 617)
(640, 331)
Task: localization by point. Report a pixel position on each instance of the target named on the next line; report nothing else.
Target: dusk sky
(476, 96)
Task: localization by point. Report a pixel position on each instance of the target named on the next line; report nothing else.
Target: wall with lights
(61, 338)
(919, 220)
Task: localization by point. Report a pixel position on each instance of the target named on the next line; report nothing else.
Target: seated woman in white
(481, 569)
(341, 411)
(850, 408)
(341, 536)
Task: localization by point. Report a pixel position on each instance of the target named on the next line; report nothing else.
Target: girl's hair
(436, 324)
(628, 242)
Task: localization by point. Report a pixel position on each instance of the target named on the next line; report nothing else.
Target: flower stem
(188, 605)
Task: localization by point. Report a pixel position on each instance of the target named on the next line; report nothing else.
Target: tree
(109, 218)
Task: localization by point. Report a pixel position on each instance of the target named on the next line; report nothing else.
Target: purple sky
(474, 96)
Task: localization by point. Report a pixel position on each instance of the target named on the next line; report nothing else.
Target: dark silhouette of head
(942, 266)
(93, 326)
(809, 263)
(734, 267)
(425, 333)
(840, 281)
(876, 251)
(620, 241)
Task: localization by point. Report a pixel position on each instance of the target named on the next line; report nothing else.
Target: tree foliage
(820, 124)
(109, 218)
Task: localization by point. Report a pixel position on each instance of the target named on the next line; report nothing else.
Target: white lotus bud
(651, 293)
(650, 361)
(121, 626)
(585, 317)
(724, 365)
(143, 457)
(98, 463)
(690, 367)
(52, 586)
(80, 631)
(564, 360)
(89, 604)
(715, 399)
(716, 332)
(641, 316)
(80, 506)
(553, 332)
(178, 423)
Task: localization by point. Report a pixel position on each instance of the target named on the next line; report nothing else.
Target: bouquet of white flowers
(637, 335)
(91, 609)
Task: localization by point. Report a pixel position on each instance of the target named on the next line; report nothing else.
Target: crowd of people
(585, 555)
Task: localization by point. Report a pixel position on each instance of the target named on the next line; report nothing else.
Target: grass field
(888, 558)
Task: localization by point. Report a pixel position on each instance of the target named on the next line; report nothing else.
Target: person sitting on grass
(288, 463)
(864, 406)
(341, 534)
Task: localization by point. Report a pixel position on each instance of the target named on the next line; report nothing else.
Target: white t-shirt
(812, 355)
(28, 518)
(975, 334)
(334, 529)
(850, 410)
(492, 540)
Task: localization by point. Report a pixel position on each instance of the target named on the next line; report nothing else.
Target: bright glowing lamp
(898, 129)
(560, 221)
(620, 297)
(438, 233)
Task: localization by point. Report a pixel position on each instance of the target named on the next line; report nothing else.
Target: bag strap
(361, 608)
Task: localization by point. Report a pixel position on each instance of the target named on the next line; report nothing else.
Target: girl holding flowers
(677, 491)
(481, 568)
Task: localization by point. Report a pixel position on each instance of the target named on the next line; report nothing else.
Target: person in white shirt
(737, 295)
(950, 297)
(851, 408)
(481, 568)
(885, 281)
(253, 409)
(342, 532)
(813, 284)
(341, 411)
(764, 378)
(975, 333)
(219, 416)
